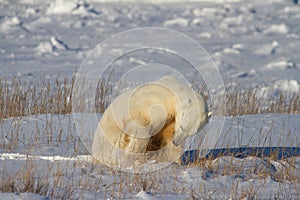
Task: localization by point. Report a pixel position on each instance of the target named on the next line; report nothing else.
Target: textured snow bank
(61, 7)
(145, 196)
(287, 85)
(176, 22)
(277, 29)
(280, 64)
(52, 46)
(9, 23)
(22, 196)
(44, 48)
(267, 49)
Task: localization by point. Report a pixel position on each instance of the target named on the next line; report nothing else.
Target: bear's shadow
(262, 152)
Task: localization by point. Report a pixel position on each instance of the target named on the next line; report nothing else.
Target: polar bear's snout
(179, 137)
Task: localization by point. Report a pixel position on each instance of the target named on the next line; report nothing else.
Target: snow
(44, 48)
(267, 49)
(230, 21)
(22, 196)
(291, 86)
(254, 43)
(204, 35)
(216, 176)
(277, 29)
(238, 46)
(231, 51)
(17, 156)
(9, 23)
(82, 24)
(61, 7)
(280, 64)
(176, 22)
(144, 195)
(197, 12)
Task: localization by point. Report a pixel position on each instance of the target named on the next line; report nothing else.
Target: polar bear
(154, 116)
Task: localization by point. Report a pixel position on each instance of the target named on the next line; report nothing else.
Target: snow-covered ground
(62, 160)
(254, 44)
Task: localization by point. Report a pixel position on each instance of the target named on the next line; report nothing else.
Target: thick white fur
(157, 116)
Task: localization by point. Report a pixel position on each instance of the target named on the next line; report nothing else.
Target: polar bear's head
(191, 109)
(194, 116)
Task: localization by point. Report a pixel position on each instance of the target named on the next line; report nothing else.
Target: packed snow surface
(216, 176)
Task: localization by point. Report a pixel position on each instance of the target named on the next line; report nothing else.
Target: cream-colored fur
(154, 118)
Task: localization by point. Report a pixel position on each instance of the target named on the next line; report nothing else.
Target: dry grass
(42, 97)
(74, 179)
(20, 99)
(243, 102)
(28, 179)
